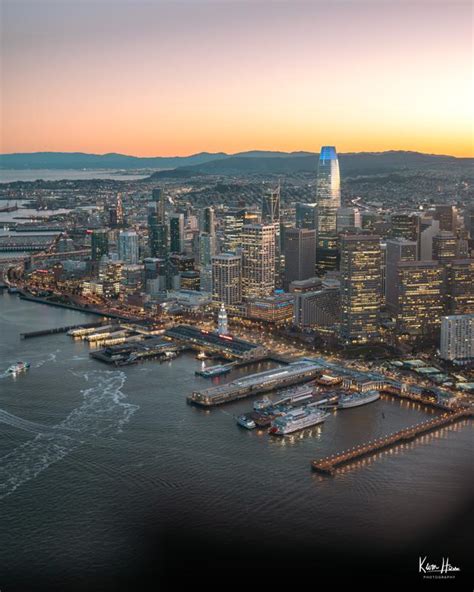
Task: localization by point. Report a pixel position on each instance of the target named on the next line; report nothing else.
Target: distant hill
(250, 162)
(351, 164)
(81, 160)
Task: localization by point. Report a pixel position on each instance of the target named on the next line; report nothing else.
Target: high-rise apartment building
(258, 260)
(128, 249)
(457, 338)
(227, 279)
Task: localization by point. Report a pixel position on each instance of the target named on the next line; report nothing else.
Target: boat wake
(103, 412)
(51, 358)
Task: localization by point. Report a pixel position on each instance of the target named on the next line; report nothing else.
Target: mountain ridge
(253, 160)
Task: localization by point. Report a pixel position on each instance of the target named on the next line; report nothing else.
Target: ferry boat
(18, 367)
(297, 392)
(213, 371)
(246, 422)
(296, 420)
(356, 399)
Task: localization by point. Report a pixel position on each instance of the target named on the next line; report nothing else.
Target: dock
(132, 353)
(211, 371)
(254, 384)
(330, 464)
(54, 330)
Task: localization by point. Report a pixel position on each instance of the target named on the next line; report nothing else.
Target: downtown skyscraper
(361, 287)
(258, 260)
(328, 200)
(128, 248)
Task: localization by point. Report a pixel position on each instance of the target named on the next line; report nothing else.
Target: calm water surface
(11, 175)
(92, 457)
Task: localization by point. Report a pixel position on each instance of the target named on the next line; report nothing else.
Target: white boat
(246, 422)
(18, 367)
(296, 420)
(356, 399)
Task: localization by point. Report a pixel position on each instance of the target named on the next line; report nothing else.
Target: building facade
(421, 297)
(300, 254)
(457, 338)
(328, 199)
(227, 279)
(258, 260)
(361, 288)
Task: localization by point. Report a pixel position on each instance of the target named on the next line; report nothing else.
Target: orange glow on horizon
(159, 79)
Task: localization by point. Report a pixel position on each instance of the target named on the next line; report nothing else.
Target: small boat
(246, 422)
(18, 367)
(262, 404)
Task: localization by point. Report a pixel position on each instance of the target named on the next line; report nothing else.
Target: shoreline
(39, 300)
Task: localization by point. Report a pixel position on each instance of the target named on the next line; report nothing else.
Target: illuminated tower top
(328, 187)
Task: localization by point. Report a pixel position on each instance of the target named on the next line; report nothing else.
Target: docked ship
(246, 422)
(296, 420)
(262, 404)
(212, 371)
(356, 399)
(18, 367)
(291, 395)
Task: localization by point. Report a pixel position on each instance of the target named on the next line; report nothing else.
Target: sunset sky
(179, 77)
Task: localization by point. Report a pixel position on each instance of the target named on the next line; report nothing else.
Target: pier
(254, 384)
(211, 371)
(42, 332)
(132, 353)
(330, 464)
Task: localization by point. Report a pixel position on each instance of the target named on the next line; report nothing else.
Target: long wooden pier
(58, 330)
(330, 464)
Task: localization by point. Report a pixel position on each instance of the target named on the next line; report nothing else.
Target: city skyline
(173, 79)
(236, 292)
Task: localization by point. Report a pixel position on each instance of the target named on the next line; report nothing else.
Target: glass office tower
(328, 200)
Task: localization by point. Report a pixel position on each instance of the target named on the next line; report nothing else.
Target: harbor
(239, 462)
